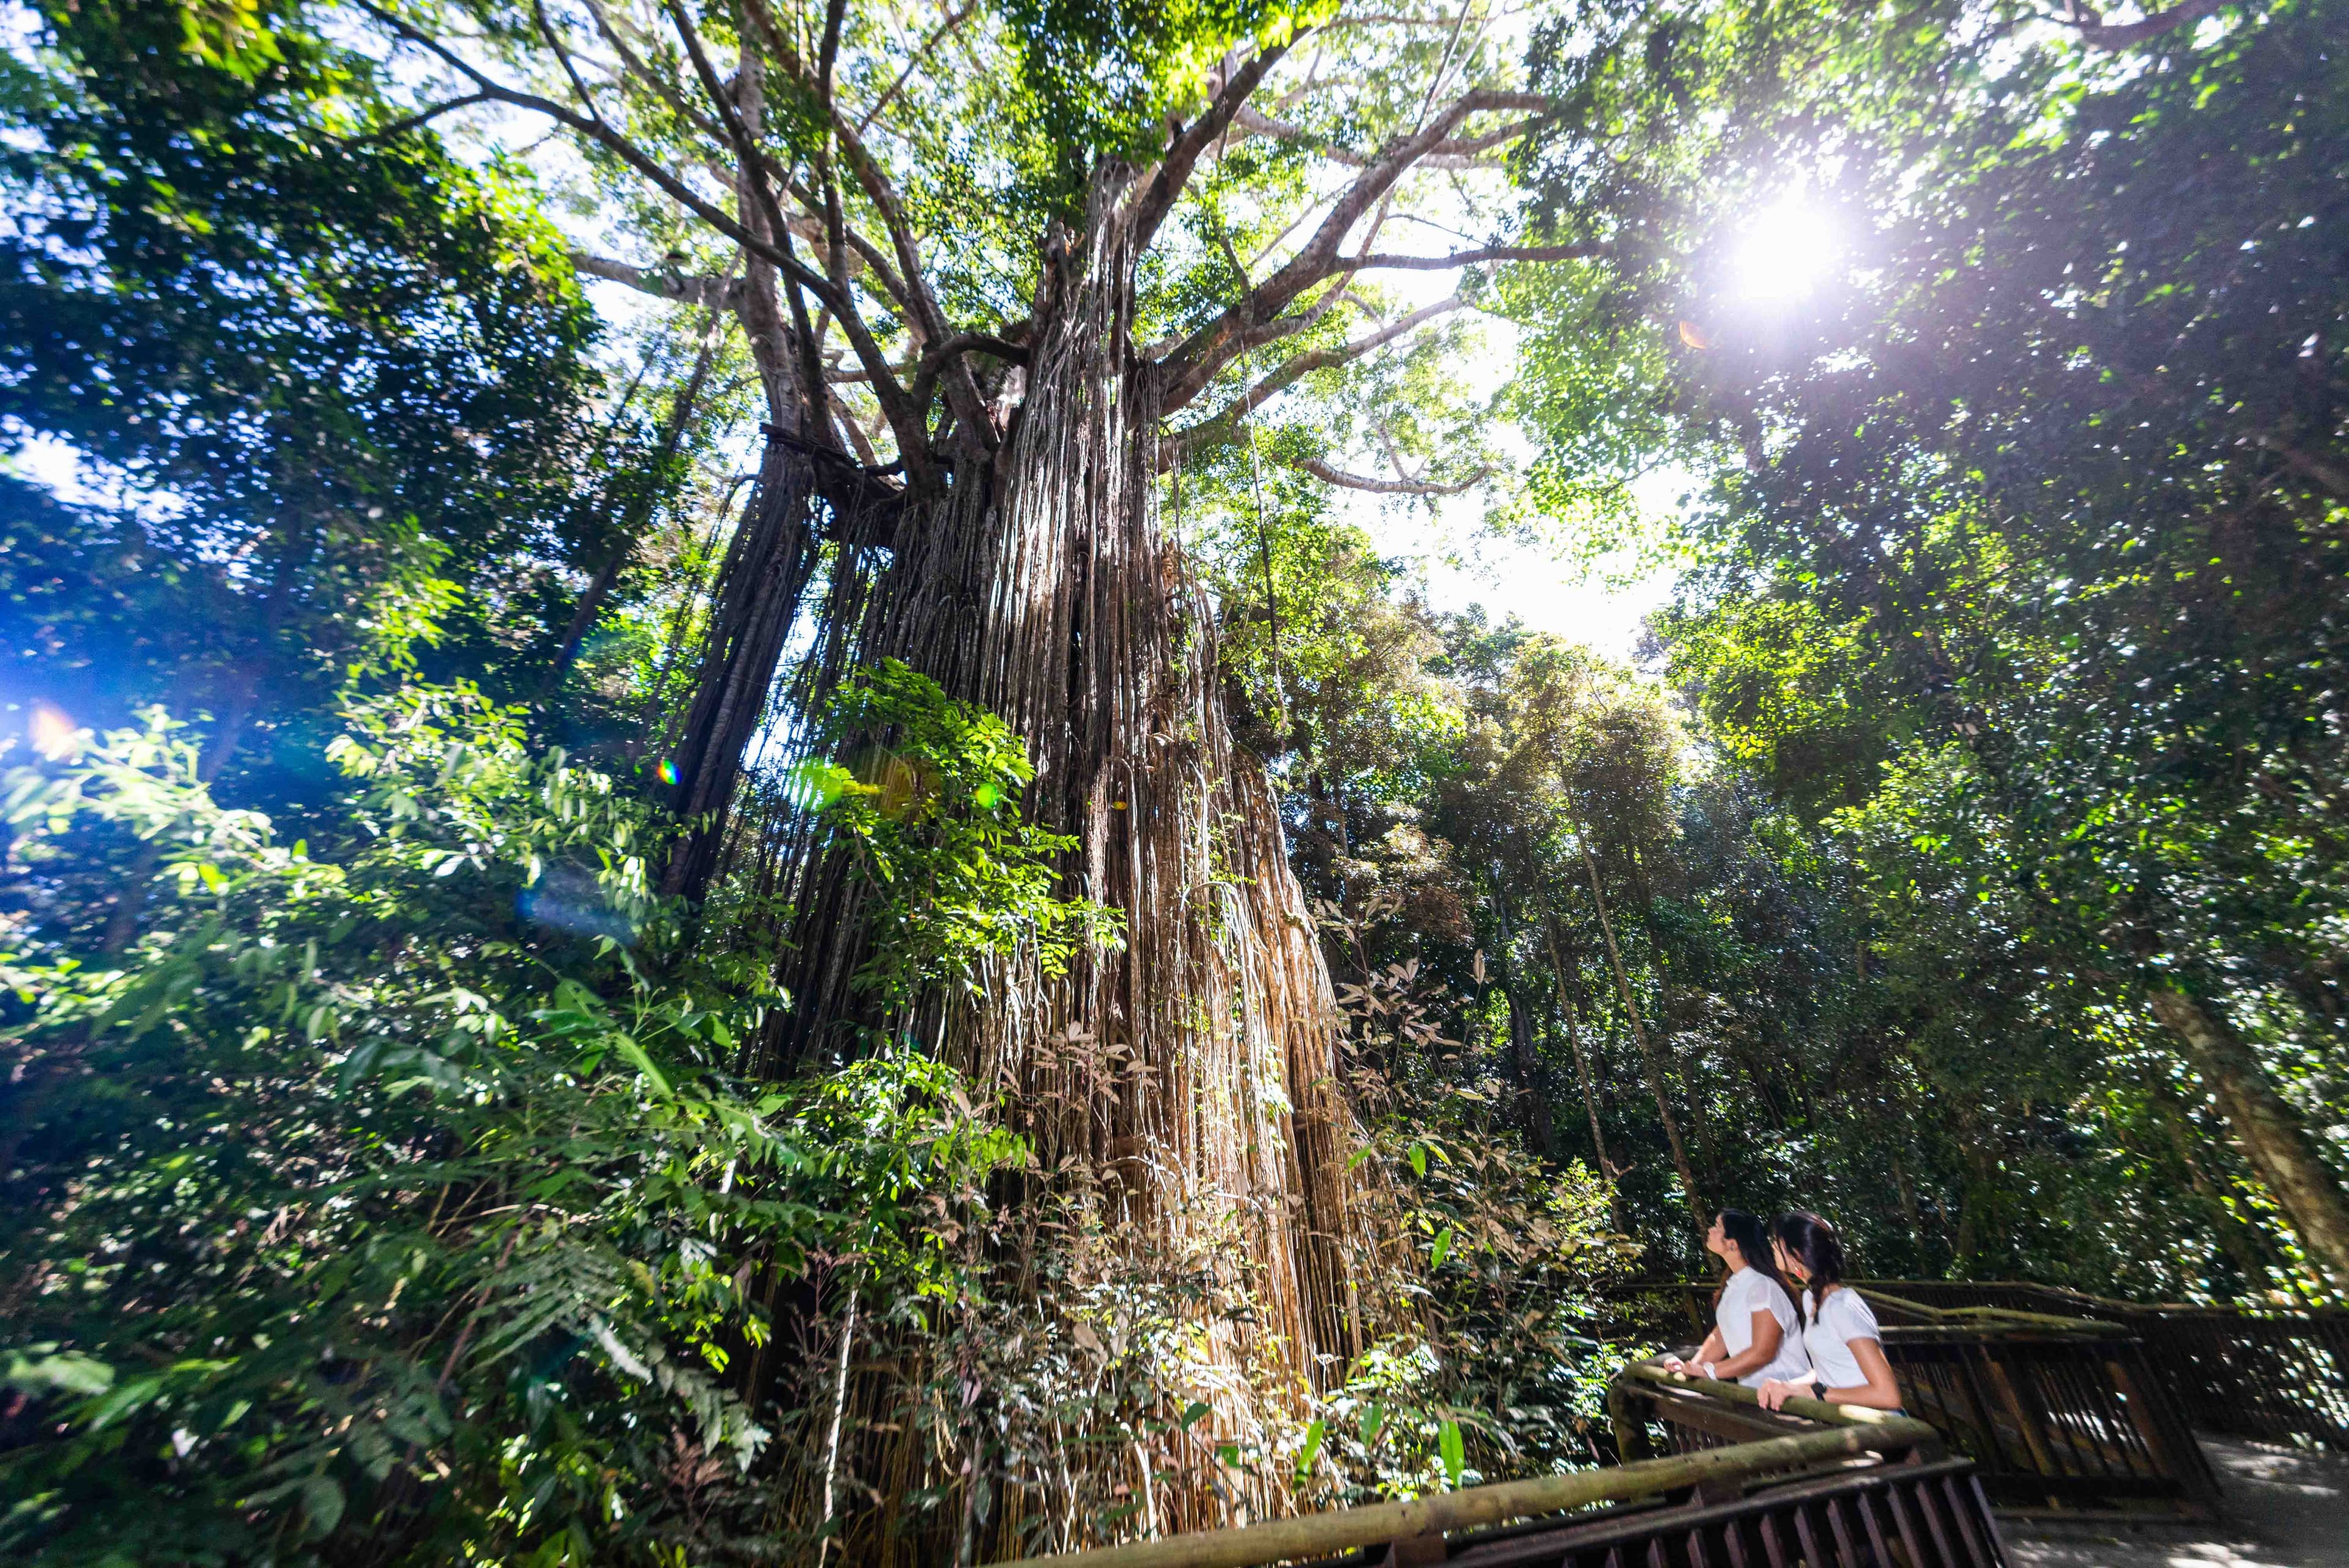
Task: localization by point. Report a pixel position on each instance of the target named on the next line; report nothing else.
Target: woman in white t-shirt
(1753, 1339)
(1846, 1350)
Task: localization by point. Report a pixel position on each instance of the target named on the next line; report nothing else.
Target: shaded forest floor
(2285, 1507)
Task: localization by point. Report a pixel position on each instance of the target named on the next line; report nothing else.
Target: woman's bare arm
(1710, 1350)
(1753, 1357)
(1882, 1391)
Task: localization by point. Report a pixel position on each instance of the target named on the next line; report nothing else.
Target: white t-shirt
(1750, 1291)
(1843, 1317)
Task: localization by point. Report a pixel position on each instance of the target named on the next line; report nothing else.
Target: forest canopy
(737, 827)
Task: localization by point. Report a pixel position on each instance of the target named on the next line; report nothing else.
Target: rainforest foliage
(732, 832)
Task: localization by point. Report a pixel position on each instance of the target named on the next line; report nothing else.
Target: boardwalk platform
(2279, 1508)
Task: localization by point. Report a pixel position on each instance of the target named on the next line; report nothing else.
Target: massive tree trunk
(1186, 1089)
(2267, 1128)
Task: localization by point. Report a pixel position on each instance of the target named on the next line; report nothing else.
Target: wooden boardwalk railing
(2057, 1413)
(2278, 1375)
(1820, 1486)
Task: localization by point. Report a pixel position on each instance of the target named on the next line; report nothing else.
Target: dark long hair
(1752, 1238)
(1812, 1240)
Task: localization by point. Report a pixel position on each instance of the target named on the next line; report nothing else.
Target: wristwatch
(1818, 1390)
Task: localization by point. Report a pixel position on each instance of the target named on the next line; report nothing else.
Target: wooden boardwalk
(2280, 1508)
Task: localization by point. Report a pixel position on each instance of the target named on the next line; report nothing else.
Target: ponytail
(1811, 1238)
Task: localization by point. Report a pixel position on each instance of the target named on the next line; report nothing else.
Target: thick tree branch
(1157, 198)
(922, 316)
(926, 381)
(2097, 34)
(421, 117)
(734, 109)
(710, 293)
(876, 364)
(834, 13)
(1385, 263)
(1221, 428)
(1322, 471)
(922, 311)
(657, 83)
(546, 31)
(1209, 349)
(1458, 152)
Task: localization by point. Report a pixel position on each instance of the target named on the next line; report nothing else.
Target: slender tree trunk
(839, 1419)
(2266, 1127)
(1910, 1214)
(1532, 1082)
(1606, 1167)
(766, 571)
(632, 525)
(767, 566)
(2235, 1238)
(1656, 1080)
(1529, 1070)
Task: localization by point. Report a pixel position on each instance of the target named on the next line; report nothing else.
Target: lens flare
(53, 732)
(668, 771)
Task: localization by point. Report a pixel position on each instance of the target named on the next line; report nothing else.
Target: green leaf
(1455, 1453)
(124, 1399)
(1419, 1160)
(1314, 1433)
(64, 1372)
(1442, 1250)
(628, 1051)
(322, 1506)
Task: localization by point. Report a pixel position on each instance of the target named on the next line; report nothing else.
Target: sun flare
(1784, 252)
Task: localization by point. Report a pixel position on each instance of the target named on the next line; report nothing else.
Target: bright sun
(1785, 251)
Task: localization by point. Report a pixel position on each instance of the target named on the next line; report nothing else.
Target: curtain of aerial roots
(1188, 1090)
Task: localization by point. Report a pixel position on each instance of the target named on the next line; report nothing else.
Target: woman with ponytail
(1753, 1339)
(1839, 1332)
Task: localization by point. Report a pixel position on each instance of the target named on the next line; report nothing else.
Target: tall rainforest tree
(1000, 274)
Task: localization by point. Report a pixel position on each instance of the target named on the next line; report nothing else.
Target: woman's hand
(1675, 1364)
(1774, 1394)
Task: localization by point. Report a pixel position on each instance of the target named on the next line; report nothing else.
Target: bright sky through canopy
(1785, 251)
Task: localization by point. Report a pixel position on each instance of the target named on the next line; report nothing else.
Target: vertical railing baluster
(1898, 1497)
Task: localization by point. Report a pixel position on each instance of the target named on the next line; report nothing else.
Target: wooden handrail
(2064, 1412)
(1343, 1530)
(1737, 1393)
(1983, 1316)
